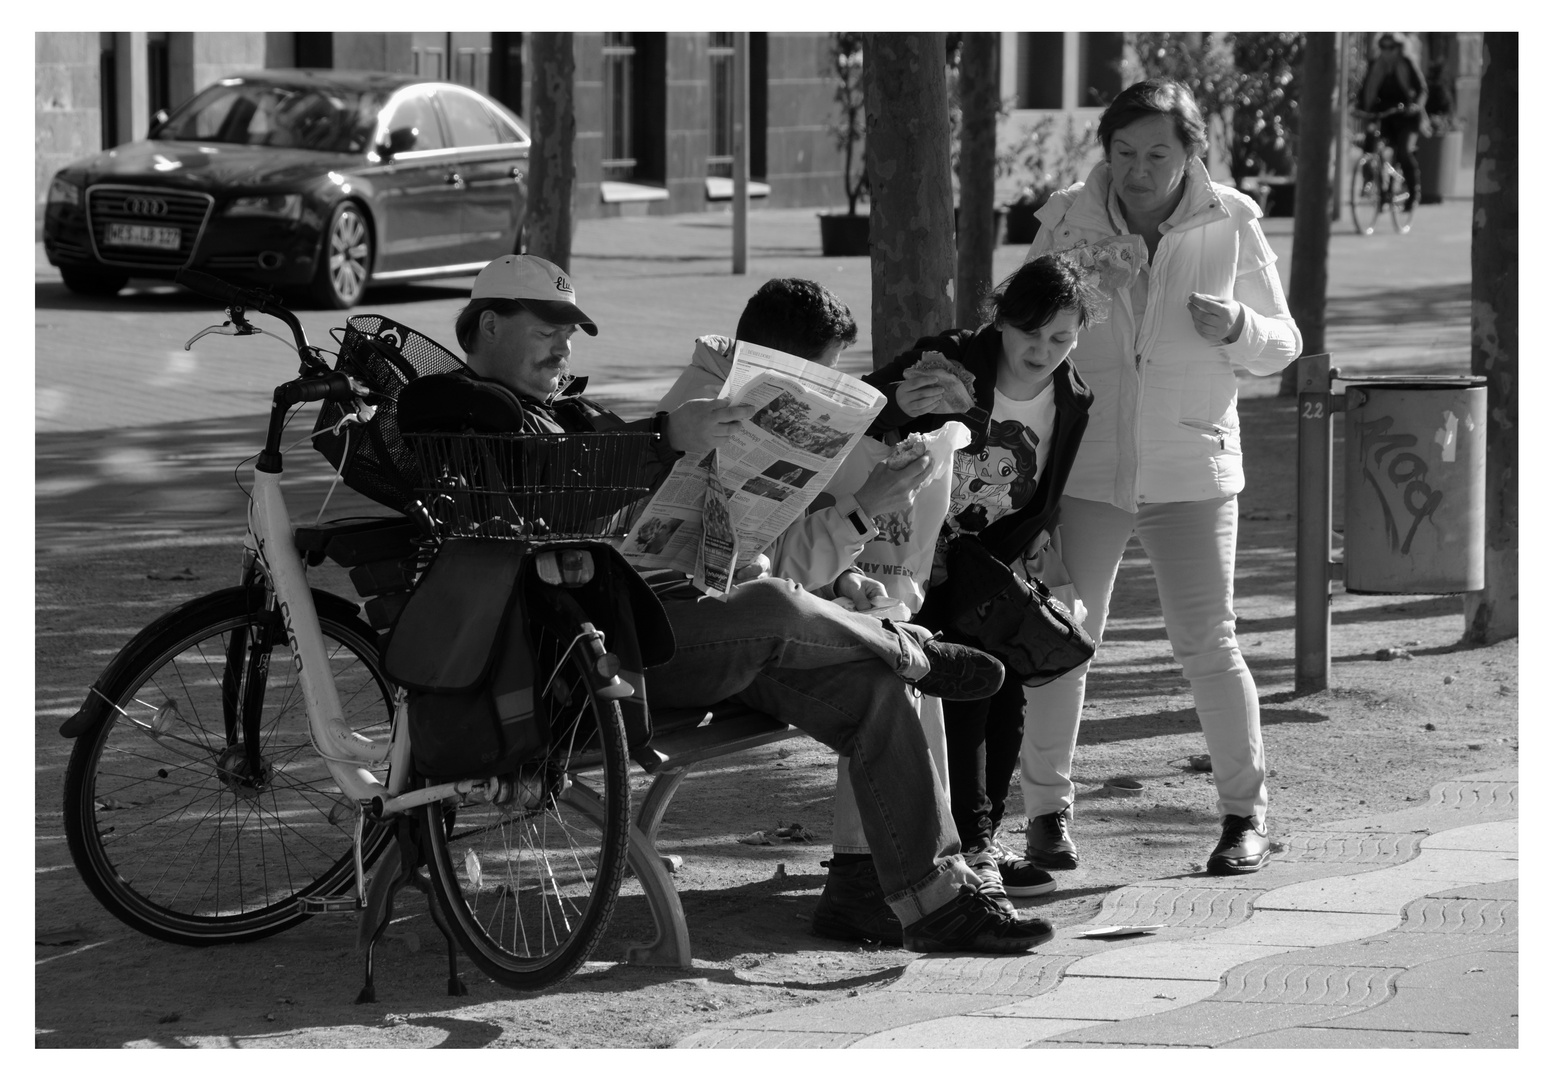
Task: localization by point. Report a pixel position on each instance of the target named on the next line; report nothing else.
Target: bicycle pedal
(329, 905)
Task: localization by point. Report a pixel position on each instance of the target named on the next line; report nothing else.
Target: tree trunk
(912, 261)
(975, 239)
(552, 170)
(1490, 615)
(1309, 244)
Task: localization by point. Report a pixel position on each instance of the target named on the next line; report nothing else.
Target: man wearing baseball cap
(843, 677)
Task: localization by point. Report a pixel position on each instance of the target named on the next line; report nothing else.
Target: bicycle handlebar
(254, 299)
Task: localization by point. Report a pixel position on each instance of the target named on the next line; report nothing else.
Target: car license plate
(143, 236)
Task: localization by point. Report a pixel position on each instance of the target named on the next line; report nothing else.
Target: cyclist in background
(1393, 82)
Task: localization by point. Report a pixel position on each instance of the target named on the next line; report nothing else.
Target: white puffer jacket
(1163, 427)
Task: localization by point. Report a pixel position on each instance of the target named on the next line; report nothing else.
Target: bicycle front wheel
(196, 807)
(1365, 194)
(528, 883)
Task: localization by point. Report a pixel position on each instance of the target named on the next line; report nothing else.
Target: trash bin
(1414, 485)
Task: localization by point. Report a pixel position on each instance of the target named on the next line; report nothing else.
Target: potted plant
(848, 234)
(1075, 152)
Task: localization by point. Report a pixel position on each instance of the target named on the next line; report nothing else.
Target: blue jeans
(834, 675)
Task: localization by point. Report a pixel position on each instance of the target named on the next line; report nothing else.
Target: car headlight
(276, 206)
(63, 191)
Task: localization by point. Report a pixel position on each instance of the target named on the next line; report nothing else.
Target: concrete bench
(682, 738)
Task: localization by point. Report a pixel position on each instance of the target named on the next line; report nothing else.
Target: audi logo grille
(145, 206)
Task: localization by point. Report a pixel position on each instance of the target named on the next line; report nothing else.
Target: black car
(324, 180)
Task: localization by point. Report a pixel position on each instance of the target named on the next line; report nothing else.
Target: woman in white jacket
(1194, 296)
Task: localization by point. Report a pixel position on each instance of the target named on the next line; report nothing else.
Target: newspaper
(807, 419)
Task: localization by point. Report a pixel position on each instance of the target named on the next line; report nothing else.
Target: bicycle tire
(529, 892)
(1365, 195)
(165, 829)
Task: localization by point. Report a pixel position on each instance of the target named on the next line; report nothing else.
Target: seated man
(839, 676)
(803, 318)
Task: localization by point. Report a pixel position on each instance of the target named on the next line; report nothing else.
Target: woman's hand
(861, 590)
(703, 424)
(1217, 321)
(759, 567)
(922, 392)
(887, 489)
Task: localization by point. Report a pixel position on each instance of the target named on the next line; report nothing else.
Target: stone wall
(68, 123)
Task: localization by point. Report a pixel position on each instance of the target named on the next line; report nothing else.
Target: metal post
(1314, 519)
(741, 149)
(1341, 126)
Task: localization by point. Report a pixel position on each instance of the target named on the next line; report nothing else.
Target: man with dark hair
(800, 317)
(842, 677)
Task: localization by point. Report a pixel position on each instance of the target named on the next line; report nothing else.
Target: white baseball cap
(542, 287)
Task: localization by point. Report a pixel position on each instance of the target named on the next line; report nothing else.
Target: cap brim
(560, 313)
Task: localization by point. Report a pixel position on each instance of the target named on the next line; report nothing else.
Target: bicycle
(244, 760)
(1376, 182)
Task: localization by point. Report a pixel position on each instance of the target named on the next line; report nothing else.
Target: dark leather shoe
(959, 672)
(974, 923)
(1048, 843)
(1243, 847)
(852, 906)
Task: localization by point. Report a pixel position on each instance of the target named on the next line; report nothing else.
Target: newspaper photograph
(763, 478)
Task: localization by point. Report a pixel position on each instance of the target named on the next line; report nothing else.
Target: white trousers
(1192, 549)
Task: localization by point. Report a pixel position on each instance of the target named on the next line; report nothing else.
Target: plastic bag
(902, 556)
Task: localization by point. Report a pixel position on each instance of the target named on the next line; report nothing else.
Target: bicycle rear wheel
(170, 824)
(528, 885)
(1365, 194)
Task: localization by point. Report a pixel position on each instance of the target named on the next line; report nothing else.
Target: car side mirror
(157, 120)
(400, 140)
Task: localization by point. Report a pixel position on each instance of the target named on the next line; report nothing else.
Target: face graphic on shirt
(997, 479)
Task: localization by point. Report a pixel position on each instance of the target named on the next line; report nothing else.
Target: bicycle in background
(1376, 182)
(244, 759)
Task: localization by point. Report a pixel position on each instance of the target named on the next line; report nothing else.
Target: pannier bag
(467, 667)
(1021, 622)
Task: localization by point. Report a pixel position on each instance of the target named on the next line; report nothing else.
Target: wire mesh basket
(588, 485)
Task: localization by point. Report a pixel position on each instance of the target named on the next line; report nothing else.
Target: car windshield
(252, 114)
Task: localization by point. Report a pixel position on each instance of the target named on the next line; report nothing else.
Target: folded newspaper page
(808, 417)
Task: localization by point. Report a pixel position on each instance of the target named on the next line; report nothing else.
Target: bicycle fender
(97, 707)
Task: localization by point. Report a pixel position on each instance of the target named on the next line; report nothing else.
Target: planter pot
(1021, 220)
(844, 234)
(1439, 156)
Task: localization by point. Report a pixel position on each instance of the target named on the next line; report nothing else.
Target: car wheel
(346, 260)
(93, 282)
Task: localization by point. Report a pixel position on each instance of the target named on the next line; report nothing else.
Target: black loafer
(852, 906)
(959, 672)
(1048, 843)
(1243, 848)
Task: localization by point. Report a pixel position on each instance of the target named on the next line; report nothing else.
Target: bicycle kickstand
(398, 867)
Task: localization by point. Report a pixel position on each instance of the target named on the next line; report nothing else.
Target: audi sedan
(324, 181)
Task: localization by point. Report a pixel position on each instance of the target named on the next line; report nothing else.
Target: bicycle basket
(385, 355)
(586, 485)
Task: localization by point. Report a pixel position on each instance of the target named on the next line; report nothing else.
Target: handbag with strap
(1021, 622)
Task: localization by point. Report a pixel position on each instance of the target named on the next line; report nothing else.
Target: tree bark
(1490, 615)
(552, 170)
(912, 261)
(975, 235)
(1309, 243)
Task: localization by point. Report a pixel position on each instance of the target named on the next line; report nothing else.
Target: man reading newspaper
(842, 677)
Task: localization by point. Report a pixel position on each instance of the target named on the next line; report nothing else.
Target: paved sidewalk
(1397, 930)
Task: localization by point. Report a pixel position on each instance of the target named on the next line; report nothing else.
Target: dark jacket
(463, 401)
(978, 352)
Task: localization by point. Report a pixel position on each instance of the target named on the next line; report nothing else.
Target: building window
(720, 84)
(1039, 71)
(620, 163)
(1101, 76)
(157, 93)
(428, 60)
(314, 49)
(108, 83)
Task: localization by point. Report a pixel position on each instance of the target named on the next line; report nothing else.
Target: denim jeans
(1192, 549)
(832, 674)
(847, 825)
